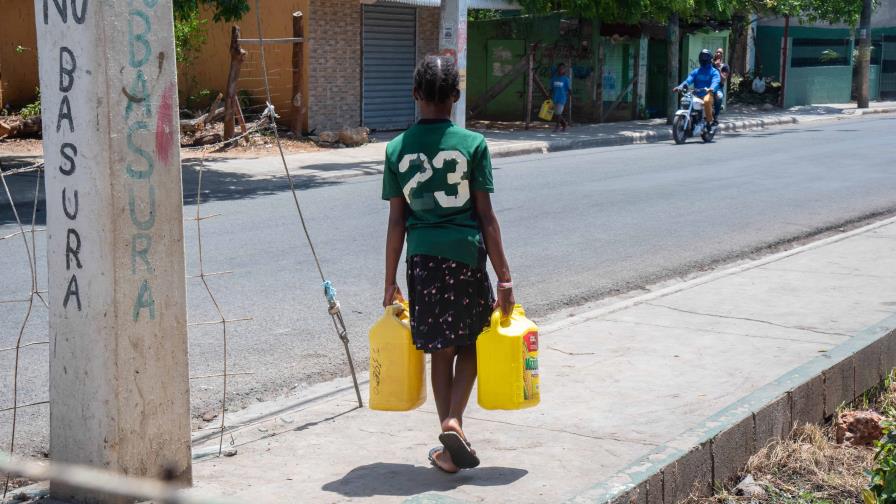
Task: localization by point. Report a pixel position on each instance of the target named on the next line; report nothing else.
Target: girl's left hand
(505, 301)
(392, 295)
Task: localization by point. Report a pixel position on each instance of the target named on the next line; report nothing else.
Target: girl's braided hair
(436, 79)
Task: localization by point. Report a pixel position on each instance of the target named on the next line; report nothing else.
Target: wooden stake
(240, 118)
(237, 57)
(211, 112)
(298, 101)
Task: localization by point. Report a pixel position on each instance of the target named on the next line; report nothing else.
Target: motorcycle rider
(706, 81)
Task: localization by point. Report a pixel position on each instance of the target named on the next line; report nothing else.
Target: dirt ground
(255, 145)
(258, 144)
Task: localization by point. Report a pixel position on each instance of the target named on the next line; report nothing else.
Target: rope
(329, 290)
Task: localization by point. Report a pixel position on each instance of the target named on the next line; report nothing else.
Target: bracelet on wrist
(505, 285)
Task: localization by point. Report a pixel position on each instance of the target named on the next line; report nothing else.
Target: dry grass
(809, 467)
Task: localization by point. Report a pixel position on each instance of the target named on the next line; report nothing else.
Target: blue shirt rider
(703, 78)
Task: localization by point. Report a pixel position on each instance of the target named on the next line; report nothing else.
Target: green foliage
(624, 11)
(882, 489)
(32, 109)
(225, 10)
(483, 14)
(189, 36)
(201, 100)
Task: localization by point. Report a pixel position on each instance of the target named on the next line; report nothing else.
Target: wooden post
(298, 101)
(237, 57)
(530, 86)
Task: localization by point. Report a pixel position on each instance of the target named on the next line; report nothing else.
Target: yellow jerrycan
(546, 112)
(396, 366)
(507, 358)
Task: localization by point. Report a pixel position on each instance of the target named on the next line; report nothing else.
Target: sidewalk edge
(714, 451)
(663, 135)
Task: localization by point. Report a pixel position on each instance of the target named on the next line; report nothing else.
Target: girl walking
(438, 180)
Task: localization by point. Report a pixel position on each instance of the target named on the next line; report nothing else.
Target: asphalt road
(578, 226)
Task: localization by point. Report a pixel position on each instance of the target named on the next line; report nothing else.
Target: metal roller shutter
(389, 40)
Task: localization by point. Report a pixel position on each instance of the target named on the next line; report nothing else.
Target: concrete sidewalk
(332, 164)
(645, 400)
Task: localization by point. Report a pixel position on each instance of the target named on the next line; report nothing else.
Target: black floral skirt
(450, 301)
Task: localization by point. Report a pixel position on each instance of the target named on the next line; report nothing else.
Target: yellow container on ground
(507, 358)
(397, 368)
(546, 112)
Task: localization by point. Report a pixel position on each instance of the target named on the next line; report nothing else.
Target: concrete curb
(717, 449)
(664, 134)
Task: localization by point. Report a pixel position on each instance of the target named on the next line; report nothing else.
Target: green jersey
(435, 166)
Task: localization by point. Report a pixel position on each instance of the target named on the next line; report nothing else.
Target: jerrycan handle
(399, 311)
(498, 316)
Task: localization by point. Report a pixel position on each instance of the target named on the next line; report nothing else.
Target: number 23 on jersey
(454, 178)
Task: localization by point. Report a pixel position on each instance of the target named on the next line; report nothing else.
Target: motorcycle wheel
(707, 136)
(678, 130)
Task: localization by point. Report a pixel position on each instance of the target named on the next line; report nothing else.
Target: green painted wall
(808, 86)
(768, 44)
(817, 85)
(874, 83)
(488, 45)
(693, 43)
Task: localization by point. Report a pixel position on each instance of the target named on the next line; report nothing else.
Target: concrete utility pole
(453, 42)
(119, 389)
(863, 88)
(674, 39)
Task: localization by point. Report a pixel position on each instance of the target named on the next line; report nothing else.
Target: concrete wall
(18, 71)
(768, 44)
(427, 32)
(334, 83)
(814, 85)
(210, 69)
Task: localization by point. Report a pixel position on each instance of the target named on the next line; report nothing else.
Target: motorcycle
(689, 120)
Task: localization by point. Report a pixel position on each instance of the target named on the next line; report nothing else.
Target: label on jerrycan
(530, 369)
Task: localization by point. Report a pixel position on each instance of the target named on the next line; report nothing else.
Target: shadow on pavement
(389, 479)
(218, 185)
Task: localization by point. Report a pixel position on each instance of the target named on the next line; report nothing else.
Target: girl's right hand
(392, 294)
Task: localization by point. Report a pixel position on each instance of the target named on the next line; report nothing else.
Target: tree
(225, 10)
(806, 11)
(190, 32)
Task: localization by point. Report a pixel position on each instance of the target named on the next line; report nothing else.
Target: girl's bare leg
(461, 387)
(442, 374)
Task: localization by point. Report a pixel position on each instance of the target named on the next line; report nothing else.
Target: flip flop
(461, 454)
(432, 459)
